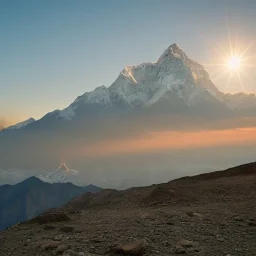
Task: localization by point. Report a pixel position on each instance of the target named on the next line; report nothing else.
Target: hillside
(31, 197)
(209, 214)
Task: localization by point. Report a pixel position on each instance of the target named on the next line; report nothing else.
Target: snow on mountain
(101, 96)
(144, 84)
(62, 174)
(240, 100)
(20, 125)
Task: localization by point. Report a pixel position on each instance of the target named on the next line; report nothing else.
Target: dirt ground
(206, 215)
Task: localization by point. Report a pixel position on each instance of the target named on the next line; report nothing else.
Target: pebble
(186, 243)
(61, 248)
(179, 250)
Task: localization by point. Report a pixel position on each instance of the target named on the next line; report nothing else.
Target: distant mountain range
(62, 174)
(31, 197)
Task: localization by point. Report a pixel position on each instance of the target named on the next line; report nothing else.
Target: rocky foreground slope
(211, 214)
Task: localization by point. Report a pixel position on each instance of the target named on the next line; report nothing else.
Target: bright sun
(234, 63)
(235, 60)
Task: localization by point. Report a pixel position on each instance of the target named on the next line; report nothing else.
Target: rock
(170, 223)
(71, 252)
(179, 250)
(61, 248)
(98, 240)
(252, 223)
(81, 253)
(237, 218)
(220, 239)
(197, 214)
(49, 227)
(194, 214)
(190, 214)
(67, 229)
(51, 245)
(166, 243)
(186, 243)
(57, 238)
(135, 248)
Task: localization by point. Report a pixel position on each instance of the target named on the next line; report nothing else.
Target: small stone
(197, 214)
(237, 218)
(252, 223)
(179, 250)
(49, 227)
(61, 248)
(135, 248)
(51, 245)
(194, 214)
(190, 214)
(67, 229)
(166, 243)
(81, 254)
(186, 243)
(57, 238)
(71, 252)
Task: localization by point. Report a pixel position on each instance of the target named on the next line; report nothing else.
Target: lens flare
(234, 63)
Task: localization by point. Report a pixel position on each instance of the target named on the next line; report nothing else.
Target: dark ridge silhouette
(32, 196)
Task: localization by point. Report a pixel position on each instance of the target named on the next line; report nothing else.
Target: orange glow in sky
(153, 142)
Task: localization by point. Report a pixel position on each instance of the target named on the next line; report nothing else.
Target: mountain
(20, 125)
(173, 77)
(62, 174)
(210, 214)
(31, 197)
(183, 190)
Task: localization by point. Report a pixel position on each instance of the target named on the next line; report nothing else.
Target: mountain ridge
(146, 83)
(32, 196)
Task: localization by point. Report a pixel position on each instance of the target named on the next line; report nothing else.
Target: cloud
(168, 140)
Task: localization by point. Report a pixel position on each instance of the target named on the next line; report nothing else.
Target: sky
(52, 51)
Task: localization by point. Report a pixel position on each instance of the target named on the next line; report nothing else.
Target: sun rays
(232, 62)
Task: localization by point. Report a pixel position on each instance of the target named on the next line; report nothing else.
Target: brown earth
(206, 215)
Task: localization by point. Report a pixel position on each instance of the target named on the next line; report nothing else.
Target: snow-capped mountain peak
(173, 51)
(173, 75)
(146, 83)
(20, 125)
(62, 174)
